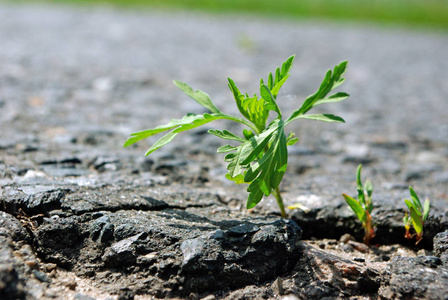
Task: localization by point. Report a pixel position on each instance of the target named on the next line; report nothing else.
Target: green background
(408, 13)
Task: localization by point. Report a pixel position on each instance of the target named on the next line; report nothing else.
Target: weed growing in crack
(260, 156)
(417, 217)
(362, 207)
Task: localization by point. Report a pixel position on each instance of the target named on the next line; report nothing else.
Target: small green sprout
(363, 206)
(417, 217)
(260, 157)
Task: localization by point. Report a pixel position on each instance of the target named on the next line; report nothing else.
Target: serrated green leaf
(161, 142)
(188, 122)
(251, 108)
(269, 99)
(270, 81)
(226, 148)
(332, 99)
(322, 117)
(255, 196)
(330, 81)
(236, 159)
(259, 144)
(356, 207)
(278, 85)
(338, 73)
(227, 135)
(267, 173)
(196, 121)
(281, 75)
(426, 209)
(140, 135)
(199, 96)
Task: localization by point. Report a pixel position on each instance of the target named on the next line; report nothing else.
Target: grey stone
(243, 229)
(12, 228)
(417, 277)
(102, 230)
(123, 253)
(192, 249)
(41, 276)
(11, 285)
(441, 244)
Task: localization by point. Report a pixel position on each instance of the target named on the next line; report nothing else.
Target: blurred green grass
(414, 13)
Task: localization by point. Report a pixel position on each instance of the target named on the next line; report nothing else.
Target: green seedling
(363, 206)
(259, 156)
(417, 217)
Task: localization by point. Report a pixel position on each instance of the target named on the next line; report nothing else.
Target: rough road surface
(83, 218)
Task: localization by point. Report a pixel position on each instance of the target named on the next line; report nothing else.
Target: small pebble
(346, 237)
(32, 264)
(41, 276)
(359, 246)
(50, 267)
(347, 248)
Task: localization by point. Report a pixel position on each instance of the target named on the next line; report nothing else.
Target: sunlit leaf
(199, 96)
(356, 207)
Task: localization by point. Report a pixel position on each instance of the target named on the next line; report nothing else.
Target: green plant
(260, 158)
(363, 206)
(417, 217)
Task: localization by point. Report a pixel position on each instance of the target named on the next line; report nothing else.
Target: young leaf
(408, 203)
(280, 76)
(291, 140)
(187, 122)
(359, 187)
(235, 167)
(355, 206)
(251, 108)
(198, 95)
(332, 99)
(426, 210)
(248, 134)
(267, 173)
(227, 135)
(269, 99)
(416, 220)
(415, 199)
(322, 117)
(226, 148)
(369, 188)
(331, 81)
(238, 179)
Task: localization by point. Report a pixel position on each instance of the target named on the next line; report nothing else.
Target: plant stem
(279, 199)
(369, 229)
